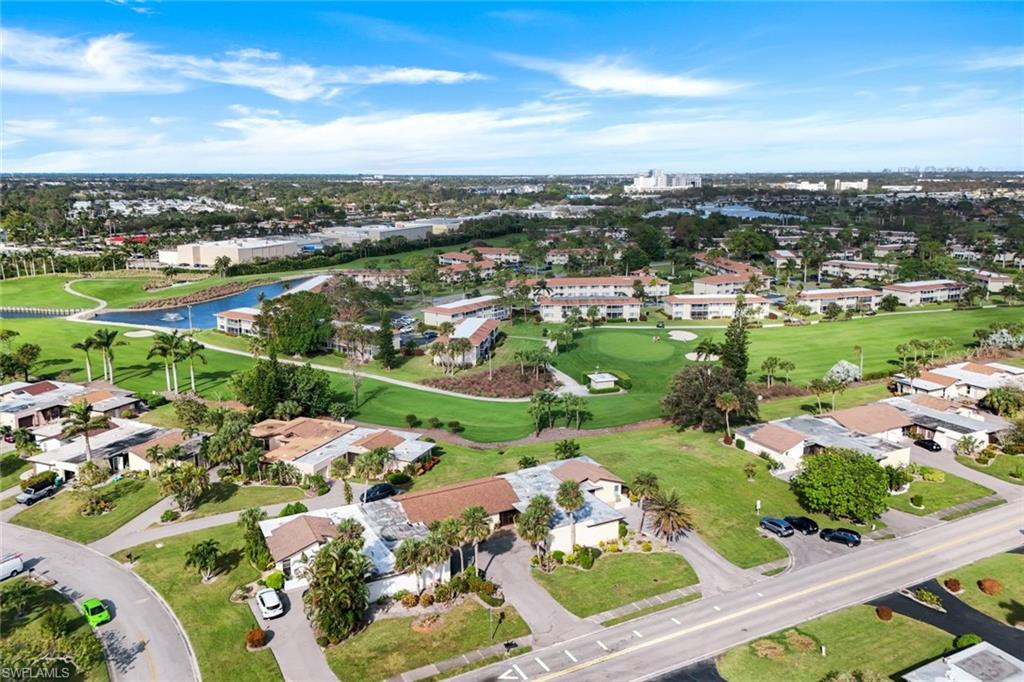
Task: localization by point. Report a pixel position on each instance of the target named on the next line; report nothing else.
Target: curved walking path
(83, 314)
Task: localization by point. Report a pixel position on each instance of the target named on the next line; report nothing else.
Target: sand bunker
(694, 357)
(679, 335)
(139, 334)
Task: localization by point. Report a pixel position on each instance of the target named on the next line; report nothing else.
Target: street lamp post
(189, 306)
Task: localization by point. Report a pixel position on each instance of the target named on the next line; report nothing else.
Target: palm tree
(570, 499)
(203, 556)
(534, 524)
(163, 347)
(450, 534)
(105, 340)
(457, 349)
(769, 367)
(371, 464)
(644, 485)
(192, 350)
(786, 366)
(727, 402)
(408, 558)
(445, 328)
(574, 406)
(818, 387)
(6, 336)
(86, 345)
(670, 516)
(706, 349)
(860, 352)
(81, 421)
(476, 527)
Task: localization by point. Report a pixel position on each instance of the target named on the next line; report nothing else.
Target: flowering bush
(254, 638)
(410, 600)
(426, 599)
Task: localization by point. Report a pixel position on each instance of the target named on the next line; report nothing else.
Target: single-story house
(925, 291)
(858, 298)
(981, 662)
(559, 309)
(140, 459)
(107, 403)
(31, 405)
(488, 307)
(875, 419)
(946, 426)
(962, 380)
(481, 333)
(238, 321)
(109, 448)
(710, 306)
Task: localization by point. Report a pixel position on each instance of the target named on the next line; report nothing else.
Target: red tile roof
(305, 531)
(579, 471)
(870, 419)
(589, 300)
(380, 439)
(777, 438)
(40, 387)
(494, 494)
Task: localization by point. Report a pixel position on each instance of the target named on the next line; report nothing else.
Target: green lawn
(390, 646)
(663, 606)
(216, 627)
(1008, 569)
(44, 291)
(856, 640)
(60, 514)
(30, 622)
(616, 580)
(11, 467)
(790, 407)
(1001, 467)
(225, 497)
(938, 496)
(121, 292)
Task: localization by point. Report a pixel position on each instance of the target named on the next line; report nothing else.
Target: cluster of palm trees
(916, 351)
(773, 365)
(104, 341)
(450, 354)
(670, 517)
(172, 348)
(444, 537)
(544, 405)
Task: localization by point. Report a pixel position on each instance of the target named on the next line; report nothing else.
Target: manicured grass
(121, 292)
(790, 407)
(1001, 467)
(226, 497)
(163, 416)
(391, 646)
(652, 609)
(616, 580)
(43, 291)
(856, 640)
(938, 496)
(30, 622)
(1008, 569)
(60, 514)
(11, 467)
(215, 626)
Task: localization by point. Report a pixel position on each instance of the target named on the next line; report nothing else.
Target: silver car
(270, 603)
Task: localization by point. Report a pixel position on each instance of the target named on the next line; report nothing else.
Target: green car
(95, 612)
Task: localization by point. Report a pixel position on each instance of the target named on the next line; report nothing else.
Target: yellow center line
(778, 600)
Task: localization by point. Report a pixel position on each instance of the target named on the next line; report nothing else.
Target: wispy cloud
(116, 63)
(618, 76)
(1007, 58)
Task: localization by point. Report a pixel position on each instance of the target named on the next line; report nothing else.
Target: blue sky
(510, 88)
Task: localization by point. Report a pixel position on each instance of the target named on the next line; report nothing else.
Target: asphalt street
(143, 641)
(663, 642)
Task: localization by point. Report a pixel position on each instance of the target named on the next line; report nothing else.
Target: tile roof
(380, 439)
(825, 294)
(465, 305)
(933, 402)
(924, 285)
(940, 379)
(731, 278)
(870, 419)
(294, 536)
(580, 470)
(40, 387)
(588, 300)
(165, 440)
(493, 494)
(777, 438)
(484, 264)
(979, 369)
(619, 280)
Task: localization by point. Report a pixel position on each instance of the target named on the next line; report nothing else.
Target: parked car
(95, 612)
(10, 566)
(270, 603)
(778, 526)
(379, 491)
(802, 524)
(430, 334)
(928, 444)
(30, 496)
(660, 325)
(850, 538)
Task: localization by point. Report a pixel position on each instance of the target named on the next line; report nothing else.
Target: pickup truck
(30, 496)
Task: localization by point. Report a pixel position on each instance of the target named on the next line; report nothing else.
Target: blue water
(202, 313)
(731, 210)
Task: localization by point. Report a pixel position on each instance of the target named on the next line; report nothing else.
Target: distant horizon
(365, 174)
(131, 86)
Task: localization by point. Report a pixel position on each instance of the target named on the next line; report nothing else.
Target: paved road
(652, 646)
(144, 641)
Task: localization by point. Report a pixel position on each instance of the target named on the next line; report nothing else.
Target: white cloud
(1008, 58)
(617, 76)
(115, 63)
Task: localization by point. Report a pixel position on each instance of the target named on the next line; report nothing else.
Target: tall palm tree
(168, 348)
(408, 558)
(450, 532)
(786, 366)
(706, 348)
(570, 498)
(476, 527)
(105, 340)
(534, 524)
(727, 402)
(204, 557)
(371, 464)
(86, 345)
(645, 484)
(859, 350)
(80, 420)
(669, 514)
(192, 350)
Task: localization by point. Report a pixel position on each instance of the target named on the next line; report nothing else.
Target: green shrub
(410, 600)
(454, 426)
(169, 515)
(599, 391)
(927, 597)
(40, 480)
(293, 508)
(154, 400)
(623, 530)
(965, 640)
(933, 475)
(741, 444)
(646, 547)
(434, 422)
(322, 642)
(411, 420)
(443, 592)
(558, 556)
(426, 599)
(535, 560)
(917, 500)
(275, 580)
(491, 600)
(587, 555)
(399, 478)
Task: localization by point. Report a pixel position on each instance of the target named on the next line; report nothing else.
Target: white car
(270, 604)
(11, 566)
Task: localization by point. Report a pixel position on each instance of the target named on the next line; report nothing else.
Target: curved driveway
(144, 641)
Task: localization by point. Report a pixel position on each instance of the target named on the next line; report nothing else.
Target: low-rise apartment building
(583, 287)
(481, 333)
(238, 321)
(608, 307)
(488, 307)
(925, 291)
(379, 279)
(724, 266)
(710, 306)
(108, 448)
(722, 285)
(778, 258)
(857, 298)
(856, 269)
(994, 282)
(459, 271)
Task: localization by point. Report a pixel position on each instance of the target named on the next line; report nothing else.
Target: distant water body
(731, 210)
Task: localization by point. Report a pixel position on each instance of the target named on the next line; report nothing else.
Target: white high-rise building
(859, 185)
(659, 180)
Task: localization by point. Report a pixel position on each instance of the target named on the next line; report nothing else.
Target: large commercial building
(348, 235)
(658, 180)
(245, 250)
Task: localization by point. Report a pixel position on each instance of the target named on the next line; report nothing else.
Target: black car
(379, 491)
(802, 524)
(928, 444)
(850, 538)
(660, 325)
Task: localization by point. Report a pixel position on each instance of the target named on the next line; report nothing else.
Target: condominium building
(379, 279)
(721, 285)
(723, 266)
(709, 307)
(456, 272)
(994, 282)
(577, 287)
(857, 269)
(780, 257)
(848, 297)
(845, 185)
(608, 307)
(481, 334)
(238, 321)
(488, 307)
(658, 180)
(925, 291)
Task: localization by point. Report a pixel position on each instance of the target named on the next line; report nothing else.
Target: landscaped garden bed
(1003, 595)
(506, 381)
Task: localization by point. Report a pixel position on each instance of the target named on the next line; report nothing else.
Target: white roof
(244, 310)
(479, 300)
(124, 434)
(311, 283)
(467, 327)
(601, 377)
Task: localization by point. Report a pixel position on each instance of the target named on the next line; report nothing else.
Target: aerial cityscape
(519, 341)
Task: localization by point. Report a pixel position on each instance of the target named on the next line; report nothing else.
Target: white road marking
(717, 609)
(509, 674)
(571, 657)
(676, 621)
(601, 644)
(638, 634)
(759, 594)
(519, 670)
(543, 665)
